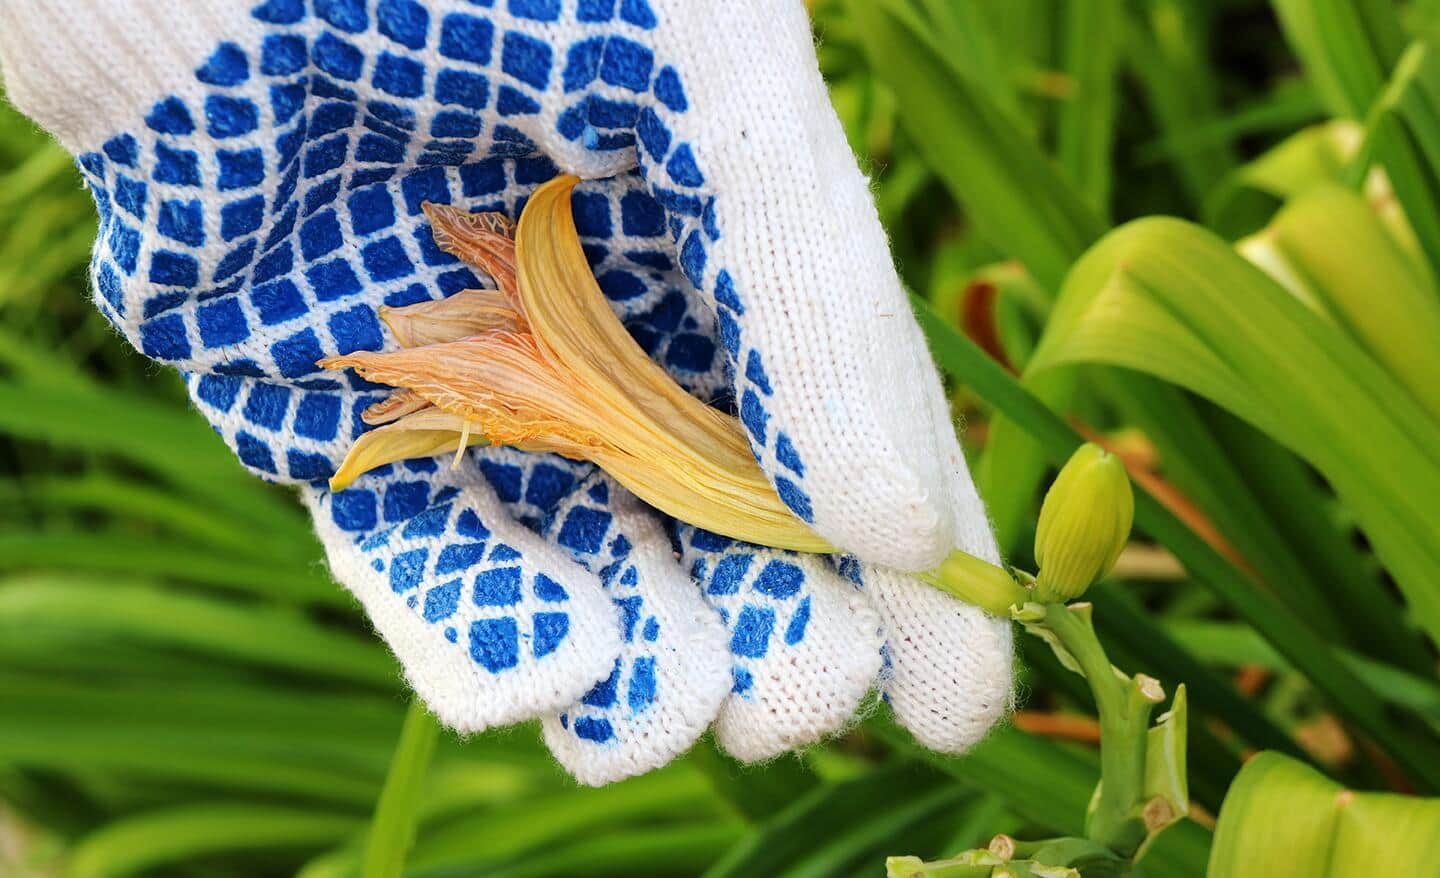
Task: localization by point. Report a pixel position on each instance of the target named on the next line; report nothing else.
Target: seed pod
(1084, 523)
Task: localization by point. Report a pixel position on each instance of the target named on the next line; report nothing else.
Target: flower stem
(392, 830)
(1124, 704)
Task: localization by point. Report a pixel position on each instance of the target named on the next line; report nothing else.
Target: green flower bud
(1084, 523)
(979, 583)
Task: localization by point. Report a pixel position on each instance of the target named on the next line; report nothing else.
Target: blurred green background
(183, 691)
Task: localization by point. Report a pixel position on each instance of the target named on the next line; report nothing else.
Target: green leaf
(1092, 35)
(1016, 198)
(1234, 646)
(755, 795)
(959, 356)
(171, 443)
(1165, 46)
(1167, 298)
(114, 552)
(1039, 781)
(566, 823)
(183, 516)
(1284, 819)
(1346, 46)
(1352, 52)
(68, 612)
(392, 830)
(836, 827)
(1329, 249)
(180, 835)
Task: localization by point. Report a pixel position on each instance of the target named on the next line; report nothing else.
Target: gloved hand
(259, 169)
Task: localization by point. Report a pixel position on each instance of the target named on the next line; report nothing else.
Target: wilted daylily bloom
(541, 363)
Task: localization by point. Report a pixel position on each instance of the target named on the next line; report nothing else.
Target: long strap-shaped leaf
(959, 356)
(1352, 53)
(1169, 299)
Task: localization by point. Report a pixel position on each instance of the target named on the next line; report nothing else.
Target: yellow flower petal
(394, 407)
(467, 313)
(543, 364)
(421, 434)
(678, 454)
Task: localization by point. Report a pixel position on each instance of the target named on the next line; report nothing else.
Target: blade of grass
(139, 844)
(70, 610)
(1308, 521)
(132, 500)
(1165, 46)
(624, 852)
(1027, 207)
(114, 552)
(843, 813)
(1086, 129)
(392, 830)
(340, 728)
(1234, 646)
(525, 830)
(755, 795)
(1347, 48)
(173, 444)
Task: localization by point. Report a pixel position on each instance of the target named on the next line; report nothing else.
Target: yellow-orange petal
(569, 379)
(485, 240)
(467, 313)
(500, 382)
(394, 407)
(673, 451)
(421, 434)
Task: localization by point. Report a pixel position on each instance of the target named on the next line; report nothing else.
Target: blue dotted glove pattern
(255, 220)
(250, 232)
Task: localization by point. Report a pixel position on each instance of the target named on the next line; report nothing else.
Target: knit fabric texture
(259, 169)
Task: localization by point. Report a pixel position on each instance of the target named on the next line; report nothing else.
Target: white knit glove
(259, 168)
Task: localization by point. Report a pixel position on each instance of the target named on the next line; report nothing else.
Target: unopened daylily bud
(1084, 523)
(979, 583)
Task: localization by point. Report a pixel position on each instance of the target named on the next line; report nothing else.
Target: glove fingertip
(491, 625)
(951, 677)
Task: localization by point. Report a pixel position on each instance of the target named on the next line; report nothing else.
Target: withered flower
(541, 363)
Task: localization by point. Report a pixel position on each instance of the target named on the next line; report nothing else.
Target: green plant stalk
(1124, 705)
(392, 830)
